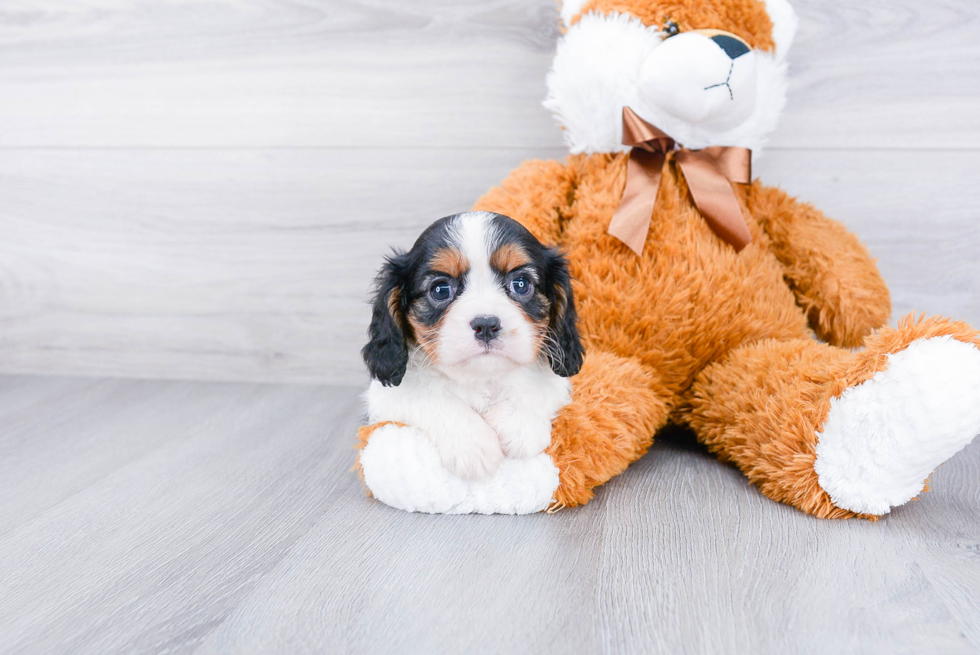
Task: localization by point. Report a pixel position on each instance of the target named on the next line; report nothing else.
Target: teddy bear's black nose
(732, 46)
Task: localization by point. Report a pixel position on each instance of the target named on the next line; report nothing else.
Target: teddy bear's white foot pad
(402, 469)
(884, 437)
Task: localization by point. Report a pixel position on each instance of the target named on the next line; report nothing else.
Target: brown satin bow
(708, 173)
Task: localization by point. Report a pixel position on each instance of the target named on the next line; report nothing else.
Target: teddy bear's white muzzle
(702, 78)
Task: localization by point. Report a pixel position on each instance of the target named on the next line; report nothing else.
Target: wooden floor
(218, 517)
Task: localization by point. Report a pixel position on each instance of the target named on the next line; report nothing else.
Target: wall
(204, 189)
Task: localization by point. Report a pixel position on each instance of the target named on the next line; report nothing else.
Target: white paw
(525, 438)
(473, 453)
(402, 468)
(884, 437)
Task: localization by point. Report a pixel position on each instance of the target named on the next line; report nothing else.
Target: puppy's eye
(671, 28)
(441, 290)
(521, 285)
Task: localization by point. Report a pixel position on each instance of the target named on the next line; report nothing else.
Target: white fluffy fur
(569, 8)
(402, 469)
(597, 71)
(475, 422)
(784, 24)
(594, 74)
(884, 437)
(691, 78)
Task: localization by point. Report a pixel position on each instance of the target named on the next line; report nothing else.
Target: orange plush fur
(653, 324)
(694, 333)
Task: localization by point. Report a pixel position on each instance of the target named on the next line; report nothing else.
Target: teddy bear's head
(706, 72)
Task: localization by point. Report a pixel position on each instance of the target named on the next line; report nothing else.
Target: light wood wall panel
(253, 73)
(257, 265)
(204, 190)
(229, 264)
(416, 73)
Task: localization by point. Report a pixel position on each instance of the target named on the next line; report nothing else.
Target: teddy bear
(705, 298)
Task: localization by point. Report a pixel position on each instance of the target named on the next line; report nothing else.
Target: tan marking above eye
(450, 261)
(509, 257)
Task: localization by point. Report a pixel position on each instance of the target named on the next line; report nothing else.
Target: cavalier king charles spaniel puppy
(472, 338)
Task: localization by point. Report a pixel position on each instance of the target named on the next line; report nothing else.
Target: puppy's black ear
(386, 352)
(565, 350)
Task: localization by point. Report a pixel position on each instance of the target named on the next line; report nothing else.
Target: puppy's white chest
(485, 395)
(533, 391)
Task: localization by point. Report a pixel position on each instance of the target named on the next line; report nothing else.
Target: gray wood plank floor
(203, 190)
(219, 517)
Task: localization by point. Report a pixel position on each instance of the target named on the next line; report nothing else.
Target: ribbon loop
(709, 173)
(637, 132)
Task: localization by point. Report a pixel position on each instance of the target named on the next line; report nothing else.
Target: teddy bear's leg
(616, 408)
(838, 433)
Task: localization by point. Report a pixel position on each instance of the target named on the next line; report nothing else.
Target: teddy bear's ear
(568, 10)
(564, 347)
(386, 353)
(783, 25)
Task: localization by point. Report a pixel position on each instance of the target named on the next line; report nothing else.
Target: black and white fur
(474, 356)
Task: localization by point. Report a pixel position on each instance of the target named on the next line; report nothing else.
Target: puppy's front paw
(521, 436)
(472, 454)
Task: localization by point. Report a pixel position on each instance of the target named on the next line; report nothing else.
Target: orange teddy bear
(699, 292)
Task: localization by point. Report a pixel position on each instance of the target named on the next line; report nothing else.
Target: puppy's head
(478, 295)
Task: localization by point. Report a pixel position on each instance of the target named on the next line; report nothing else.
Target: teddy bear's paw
(884, 437)
(403, 469)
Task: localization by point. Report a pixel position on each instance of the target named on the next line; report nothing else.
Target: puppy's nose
(733, 47)
(485, 328)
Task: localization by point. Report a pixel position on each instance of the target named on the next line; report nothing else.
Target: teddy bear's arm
(834, 278)
(537, 194)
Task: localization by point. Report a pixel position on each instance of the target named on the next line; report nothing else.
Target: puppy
(471, 340)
